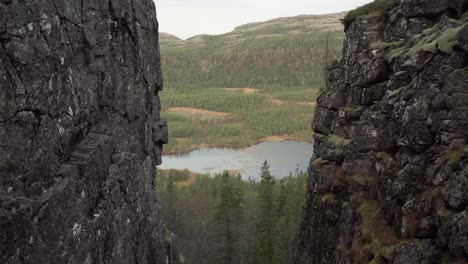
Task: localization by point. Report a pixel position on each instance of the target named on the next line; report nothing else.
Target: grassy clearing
(198, 113)
(216, 117)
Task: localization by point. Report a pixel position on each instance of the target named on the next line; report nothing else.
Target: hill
(238, 88)
(167, 38)
(280, 52)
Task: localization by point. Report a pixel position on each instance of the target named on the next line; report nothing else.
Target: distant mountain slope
(280, 52)
(167, 38)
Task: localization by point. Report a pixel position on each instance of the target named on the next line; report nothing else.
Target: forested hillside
(280, 52)
(282, 63)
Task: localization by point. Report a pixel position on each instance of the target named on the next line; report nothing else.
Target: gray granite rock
(80, 132)
(391, 142)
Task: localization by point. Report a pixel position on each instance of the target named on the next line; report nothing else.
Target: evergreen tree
(275, 208)
(229, 212)
(171, 200)
(265, 248)
(284, 233)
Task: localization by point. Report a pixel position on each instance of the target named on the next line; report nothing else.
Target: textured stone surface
(391, 142)
(80, 132)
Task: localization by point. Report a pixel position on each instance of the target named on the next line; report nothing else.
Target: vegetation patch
(378, 251)
(379, 7)
(368, 211)
(329, 199)
(437, 39)
(428, 195)
(384, 156)
(168, 236)
(453, 156)
(430, 31)
(339, 142)
(364, 181)
(396, 92)
(396, 53)
(317, 162)
(381, 239)
(415, 49)
(373, 223)
(348, 109)
(448, 40)
(430, 47)
(445, 214)
(387, 45)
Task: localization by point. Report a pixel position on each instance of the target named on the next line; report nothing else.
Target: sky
(186, 18)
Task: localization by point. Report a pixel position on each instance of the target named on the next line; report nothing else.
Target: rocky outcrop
(80, 132)
(389, 178)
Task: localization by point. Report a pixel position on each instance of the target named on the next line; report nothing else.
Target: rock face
(80, 132)
(389, 178)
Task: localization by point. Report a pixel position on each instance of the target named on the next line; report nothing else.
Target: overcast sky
(186, 18)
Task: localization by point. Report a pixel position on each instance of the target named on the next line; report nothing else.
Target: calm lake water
(284, 157)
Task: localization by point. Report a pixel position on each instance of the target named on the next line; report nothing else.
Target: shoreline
(267, 139)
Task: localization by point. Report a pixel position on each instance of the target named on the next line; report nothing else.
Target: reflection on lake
(284, 157)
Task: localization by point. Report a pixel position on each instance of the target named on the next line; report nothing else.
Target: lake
(284, 157)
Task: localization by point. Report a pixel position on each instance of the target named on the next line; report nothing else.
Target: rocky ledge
(389, 178)
(80, 132)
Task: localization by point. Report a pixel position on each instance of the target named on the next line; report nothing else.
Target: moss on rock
(364, 181)
(328, 199)
(448, 40)
(436, 39)
(430, 47)
(387, 45)
(396, 53)
(340, 143)
(453, 156)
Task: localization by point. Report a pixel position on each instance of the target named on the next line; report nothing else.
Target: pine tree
(171, 208)
(229, 212)
(283, 241)
(265, 248)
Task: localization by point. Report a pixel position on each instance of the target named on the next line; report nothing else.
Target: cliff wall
(80, 132)
(388, 182)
